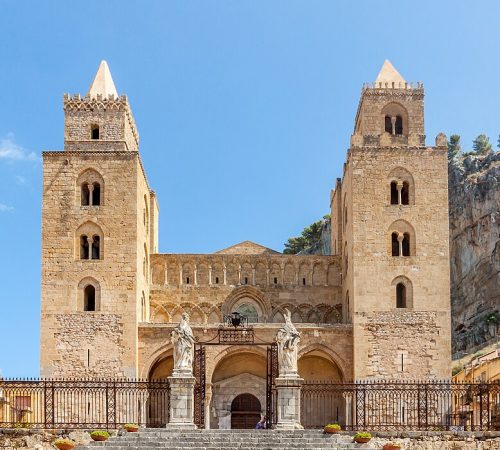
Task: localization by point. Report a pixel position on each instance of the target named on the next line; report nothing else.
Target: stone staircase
(229, 439)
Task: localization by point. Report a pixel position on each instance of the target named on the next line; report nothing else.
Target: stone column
(288, 404)
(181, 402)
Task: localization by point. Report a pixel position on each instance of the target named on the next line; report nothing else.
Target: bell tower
(99, 226)
(390, 227)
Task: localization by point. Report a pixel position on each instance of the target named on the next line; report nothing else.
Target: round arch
(252, 296)
(331, 363)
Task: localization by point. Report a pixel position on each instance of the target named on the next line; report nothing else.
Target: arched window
(90, 187)
(401, 239)
(398, 127)
(96, 194)
(94, 131)
(96, 247)
(84, 247)
(406, 244)
(405, 193)
(394, 193)
(249, 311)
(89, 298)
(85, 194)
(395, 244)
(400, 295)
(388, 124)
(89, 241)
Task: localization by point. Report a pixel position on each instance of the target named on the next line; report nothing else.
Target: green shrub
(103, 433)
(335, 426)
(363, 434)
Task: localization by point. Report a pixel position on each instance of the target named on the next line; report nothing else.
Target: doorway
(245, 411)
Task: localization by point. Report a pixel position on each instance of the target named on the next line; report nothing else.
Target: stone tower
(99, 226)
(390, 226)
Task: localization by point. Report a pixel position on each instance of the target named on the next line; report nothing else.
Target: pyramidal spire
(388, 74)
(103, 83)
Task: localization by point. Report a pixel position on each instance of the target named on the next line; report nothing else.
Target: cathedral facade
(378, 307)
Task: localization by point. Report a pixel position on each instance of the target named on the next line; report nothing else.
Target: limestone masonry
(377, 307)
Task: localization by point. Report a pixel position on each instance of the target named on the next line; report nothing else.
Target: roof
(247, 248)
(103, 83)
(388, 74)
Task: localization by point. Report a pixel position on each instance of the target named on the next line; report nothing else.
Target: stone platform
(230, 439)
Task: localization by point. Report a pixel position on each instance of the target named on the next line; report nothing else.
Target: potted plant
(131, 427)
(64, 444)
(332, 428)
(99, 435)
(391, 446)
(362, 437)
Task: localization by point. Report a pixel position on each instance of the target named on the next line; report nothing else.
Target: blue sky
(244, 108)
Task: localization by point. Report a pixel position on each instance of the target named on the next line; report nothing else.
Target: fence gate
(199, 387)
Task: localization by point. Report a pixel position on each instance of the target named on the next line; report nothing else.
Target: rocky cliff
(474, 198)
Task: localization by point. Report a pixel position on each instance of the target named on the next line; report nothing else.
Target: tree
(482, 145)
(310, 235)
(498, 142)
(454, 147)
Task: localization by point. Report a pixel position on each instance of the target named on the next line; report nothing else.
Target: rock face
(474, 197)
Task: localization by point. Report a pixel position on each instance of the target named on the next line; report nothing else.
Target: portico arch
(238, 371)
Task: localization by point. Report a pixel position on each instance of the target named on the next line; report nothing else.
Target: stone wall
(475, 249)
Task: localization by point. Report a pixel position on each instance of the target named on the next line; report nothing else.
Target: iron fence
(69, 404)
(432, 406)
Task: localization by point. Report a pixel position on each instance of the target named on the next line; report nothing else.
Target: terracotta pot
(132, 430)
(361, 440)
(331, 430)
(391, 447)
(99, 438)
(65, 446)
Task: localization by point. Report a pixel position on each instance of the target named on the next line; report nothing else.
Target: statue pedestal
(181, 402)
(288, 404)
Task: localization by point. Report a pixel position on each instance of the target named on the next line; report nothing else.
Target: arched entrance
(245, 411)
(322, 396)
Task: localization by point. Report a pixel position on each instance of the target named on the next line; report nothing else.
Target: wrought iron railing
(432, 405)
(67, 404)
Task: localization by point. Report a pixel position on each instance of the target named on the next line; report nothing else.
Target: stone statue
(183, 340)
(288, 339)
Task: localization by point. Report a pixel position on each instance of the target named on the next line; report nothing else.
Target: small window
(405, 194)
(216, 280)
(246, 280)
(187, 280)
(275, 280)
(406, 244)
(388, 124)
(89, 298)
(85, 194)
(400, 295)
(96, 247)
(394, 193)
(399, 126)
(84, 247)
(96, 194)
(95, 132)
(303, 281)
(395, 244)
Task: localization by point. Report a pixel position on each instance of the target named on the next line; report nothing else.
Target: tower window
(303, 281)
(388, 124)
(394, 193)
(89, 298)
(216, 280)
(275, 280)
(96, 194)
(398, 128)
(84, 247)
(395, 244)
(406, 244)
(94, 132)
(187, 280)
(85, 194)
(400, 295)
(95, 247)
(405, 194)
(246, 280)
